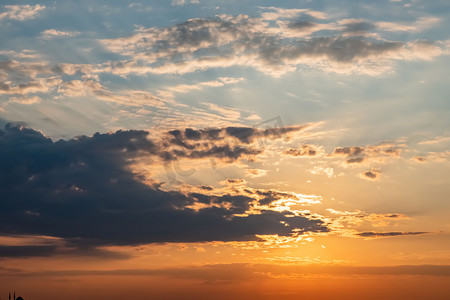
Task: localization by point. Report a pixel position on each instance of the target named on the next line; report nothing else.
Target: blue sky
(405, 84)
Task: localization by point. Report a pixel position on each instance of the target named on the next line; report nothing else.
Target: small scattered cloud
(321, 170)
(183, 2)
(221, 81)
(256, 173)
(304, 151)
(372, 175)
(139, 7)
(360, 154)
(53, 33)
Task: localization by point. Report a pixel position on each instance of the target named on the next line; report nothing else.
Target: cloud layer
(83, 191)
(278, 42)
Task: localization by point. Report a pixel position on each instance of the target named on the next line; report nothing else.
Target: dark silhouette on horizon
(14, 297)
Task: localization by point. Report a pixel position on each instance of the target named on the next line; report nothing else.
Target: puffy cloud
(22, 78)
(21, 12)
(273, 48)
(83, 191)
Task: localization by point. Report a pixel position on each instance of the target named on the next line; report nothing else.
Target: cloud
(25, 100)
(221, 81)
(241, 272)
(371, 175)
(421, 24)
(359, 154)
(349, 223)
(231, 134)
(183, 2)
(321, 170)
(256, 172)
(356, 27)
(436, 140)
(53, 33)
(22, 78)
(273, 48)
(21, 12)
(433, 157)
(227, 112)
(371, 234)
(305, 150)
(90, 87)
(26, 251)
(83, 192)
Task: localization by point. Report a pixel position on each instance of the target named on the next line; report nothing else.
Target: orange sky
(205, 149)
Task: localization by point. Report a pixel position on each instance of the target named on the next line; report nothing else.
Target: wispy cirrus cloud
(421, 24)
(53, 33)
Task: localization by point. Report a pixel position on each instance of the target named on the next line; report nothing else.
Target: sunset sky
(223, 149)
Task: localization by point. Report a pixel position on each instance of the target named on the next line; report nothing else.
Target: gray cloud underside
(355, 155)
(371, 234)
(82, 191)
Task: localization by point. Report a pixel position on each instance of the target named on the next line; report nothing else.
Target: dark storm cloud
(27, 251)
(82, 191)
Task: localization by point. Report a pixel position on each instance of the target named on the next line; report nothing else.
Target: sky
(199, 149)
